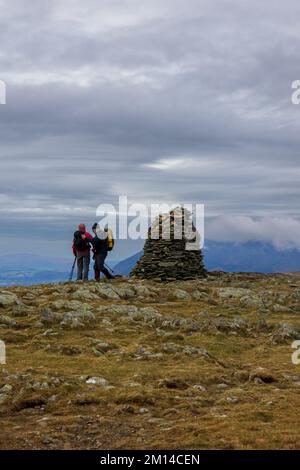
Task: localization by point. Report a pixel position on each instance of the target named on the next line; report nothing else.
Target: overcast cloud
(163, 100)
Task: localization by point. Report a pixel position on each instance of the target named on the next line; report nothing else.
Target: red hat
(81, 228)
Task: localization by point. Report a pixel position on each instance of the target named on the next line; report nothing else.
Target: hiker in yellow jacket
(102, 243)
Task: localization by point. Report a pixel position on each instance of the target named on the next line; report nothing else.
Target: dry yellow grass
(162, 391)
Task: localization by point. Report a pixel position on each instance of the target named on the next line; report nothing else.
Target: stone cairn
(172, 249)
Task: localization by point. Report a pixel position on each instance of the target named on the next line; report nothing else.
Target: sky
(167, 100)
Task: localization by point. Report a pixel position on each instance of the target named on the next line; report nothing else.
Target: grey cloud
(283, 232)
(98, 93)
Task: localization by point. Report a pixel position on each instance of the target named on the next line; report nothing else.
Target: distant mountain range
(32, 261)
(28, 277)
(27, 269)
(252, 256)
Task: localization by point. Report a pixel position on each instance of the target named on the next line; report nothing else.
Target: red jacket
(88, 235)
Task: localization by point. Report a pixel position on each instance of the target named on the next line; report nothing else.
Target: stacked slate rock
(172, 250)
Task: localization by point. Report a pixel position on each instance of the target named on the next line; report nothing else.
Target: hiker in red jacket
(81, 249)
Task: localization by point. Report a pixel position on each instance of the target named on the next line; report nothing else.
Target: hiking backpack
(79, 244)
(110, 240)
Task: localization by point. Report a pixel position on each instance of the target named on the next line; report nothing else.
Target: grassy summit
(131, 364)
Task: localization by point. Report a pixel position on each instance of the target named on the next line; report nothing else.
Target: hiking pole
(109, 268)
(72, 270)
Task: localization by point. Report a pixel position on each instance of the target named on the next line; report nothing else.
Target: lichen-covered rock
(7, 321)
(21, 310)
(179, 294)
(125, 292)
(97, 381)
(84, 295)
(280, 308)
(150, 314)
(284, 333)
(102, 346)
(107, 292)
(262, 374)
(144, 291)
(252, 301)
(199, 295)
(8, 299)
(233, 292)
(48, 317)
(77, 319)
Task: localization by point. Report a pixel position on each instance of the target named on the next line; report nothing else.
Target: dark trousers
(99, 266)
(83, 265)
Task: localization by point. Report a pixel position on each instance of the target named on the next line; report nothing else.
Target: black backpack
(79, 243)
